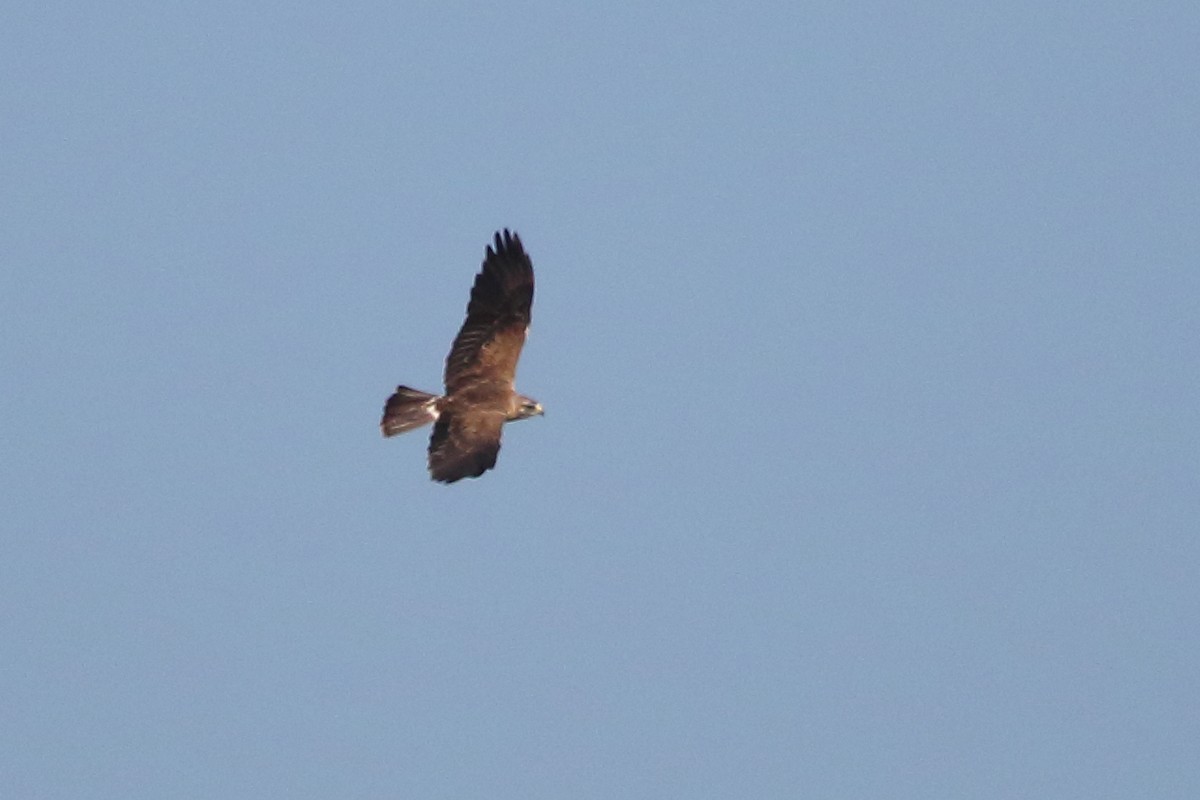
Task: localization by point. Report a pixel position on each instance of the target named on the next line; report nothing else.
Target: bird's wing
(489, 343)
(464, 443)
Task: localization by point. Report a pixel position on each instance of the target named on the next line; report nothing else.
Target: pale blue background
(868, 338)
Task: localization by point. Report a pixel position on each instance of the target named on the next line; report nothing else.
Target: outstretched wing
(489, 343)
(464, 444)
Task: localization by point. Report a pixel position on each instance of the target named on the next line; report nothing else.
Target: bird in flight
(480, 370)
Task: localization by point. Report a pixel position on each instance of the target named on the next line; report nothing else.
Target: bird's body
(480, 371)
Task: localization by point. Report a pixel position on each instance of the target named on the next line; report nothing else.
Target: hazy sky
(867, 336)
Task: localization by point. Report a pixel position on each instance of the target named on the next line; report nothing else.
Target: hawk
(480, 396)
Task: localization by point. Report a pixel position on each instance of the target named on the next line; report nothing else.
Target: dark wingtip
(505, 241)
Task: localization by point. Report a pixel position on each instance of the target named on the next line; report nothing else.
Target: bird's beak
(541, 412)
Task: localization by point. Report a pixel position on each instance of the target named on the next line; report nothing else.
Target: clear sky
(867, 335)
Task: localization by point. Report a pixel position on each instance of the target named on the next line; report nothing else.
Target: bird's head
(528, 407)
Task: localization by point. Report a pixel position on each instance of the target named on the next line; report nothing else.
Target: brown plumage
(480, 370)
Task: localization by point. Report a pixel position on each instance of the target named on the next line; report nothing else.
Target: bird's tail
(408, 409)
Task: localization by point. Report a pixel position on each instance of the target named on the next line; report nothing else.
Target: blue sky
(867, 335)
